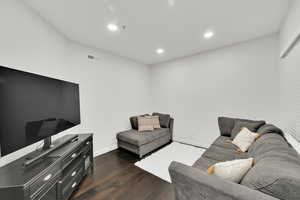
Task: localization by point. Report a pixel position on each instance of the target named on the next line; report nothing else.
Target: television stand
(48, 148)
(47, 143)
(55, 177)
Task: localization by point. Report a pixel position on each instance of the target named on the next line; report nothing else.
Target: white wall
(289, 73)
(111, 88)
(240, 81)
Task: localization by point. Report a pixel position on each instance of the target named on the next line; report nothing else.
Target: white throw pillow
(244, 139)
(145, 123)
(155, 122)
(232, 171)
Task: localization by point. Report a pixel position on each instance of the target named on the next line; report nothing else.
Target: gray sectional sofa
(142, 143)
(275, 175)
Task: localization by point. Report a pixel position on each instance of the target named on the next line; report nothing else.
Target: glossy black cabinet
(49, 195)
(54, 177)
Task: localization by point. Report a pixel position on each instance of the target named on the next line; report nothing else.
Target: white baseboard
(105, 150)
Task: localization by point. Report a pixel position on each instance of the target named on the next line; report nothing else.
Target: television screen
(34, 107)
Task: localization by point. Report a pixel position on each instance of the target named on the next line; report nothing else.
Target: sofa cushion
(217, 154)
(265, 144)
(277, 168)
(164, 119)
(136, 138)
(251, 125)
(224, 142)
(278, 176)
(134, 121)
(269, 128)
(203, 163)
(221, 150)
(223, 154)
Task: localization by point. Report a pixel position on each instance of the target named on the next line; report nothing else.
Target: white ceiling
(175, 25)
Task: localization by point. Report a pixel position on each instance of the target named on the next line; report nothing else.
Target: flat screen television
(34, 107)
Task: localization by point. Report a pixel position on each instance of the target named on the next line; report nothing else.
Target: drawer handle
(73, 155)
(47, 177)
(74, 173)
(74, 184)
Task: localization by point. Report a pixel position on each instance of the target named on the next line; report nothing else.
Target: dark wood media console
(54, 177)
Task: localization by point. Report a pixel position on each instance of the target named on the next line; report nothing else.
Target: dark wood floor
(117, 178)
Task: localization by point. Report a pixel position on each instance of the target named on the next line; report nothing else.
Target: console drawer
(88, 143)
(49, 191)
(73, 171)
(71, 157)
(68, 189)
(45, 180)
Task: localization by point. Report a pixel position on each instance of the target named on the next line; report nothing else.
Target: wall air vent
(91, 57)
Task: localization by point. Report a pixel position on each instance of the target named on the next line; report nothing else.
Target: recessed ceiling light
(171, 2)
(208, 34)
(160, 51)
(112, 27)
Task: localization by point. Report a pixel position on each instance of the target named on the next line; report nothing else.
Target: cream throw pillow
(155, 121)
(244, 139)
(145, 123)
(232, 171)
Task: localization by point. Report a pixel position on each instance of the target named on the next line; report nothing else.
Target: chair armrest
(171, 125)
(193, 184)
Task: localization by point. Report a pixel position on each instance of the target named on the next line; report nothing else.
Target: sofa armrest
(193, 184)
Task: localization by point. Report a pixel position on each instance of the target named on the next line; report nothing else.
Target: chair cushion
(164, 119)
(136, 138)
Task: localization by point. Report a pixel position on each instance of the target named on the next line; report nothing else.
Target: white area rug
(158, 163)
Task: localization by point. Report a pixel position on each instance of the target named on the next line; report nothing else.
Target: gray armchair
(143, 143)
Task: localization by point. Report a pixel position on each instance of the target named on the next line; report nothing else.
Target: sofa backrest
(226, 124)
(277, 165)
